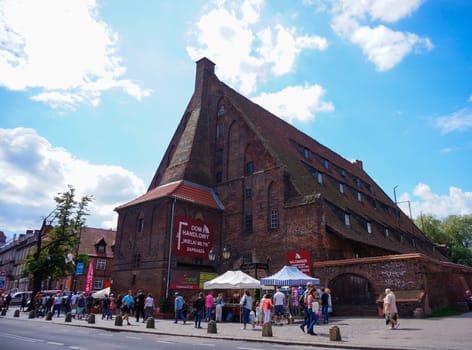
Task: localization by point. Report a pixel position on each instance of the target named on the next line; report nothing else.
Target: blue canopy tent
(289, 276)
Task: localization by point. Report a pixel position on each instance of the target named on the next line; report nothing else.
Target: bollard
(68, 317)
(91, 318)
(150, 323)
(212, 327)
(32, 314)
(290, 319)
(16, 313)
(334, 333)
(4, 312)
(267, 329)
(118, 320)
(49, 316)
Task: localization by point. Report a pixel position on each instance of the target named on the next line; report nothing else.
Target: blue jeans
(306, 317)
(198, 318)
(246, 313)
(209, 310)
(324, 312)
(313, 320)
(180, 315)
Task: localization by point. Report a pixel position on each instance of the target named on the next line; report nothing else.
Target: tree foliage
(49, 258)
(455, 232)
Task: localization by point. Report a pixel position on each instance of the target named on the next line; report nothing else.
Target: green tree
(49, 258)
(455, 232)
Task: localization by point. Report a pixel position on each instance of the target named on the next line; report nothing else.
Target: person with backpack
(302, 301)
(246, 307)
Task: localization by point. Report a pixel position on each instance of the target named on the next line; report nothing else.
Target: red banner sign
(192, 237)
(89, 280)
(185, 280)
(300, 259)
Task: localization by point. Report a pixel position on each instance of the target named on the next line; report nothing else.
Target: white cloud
(61, 49)
(36, 172)
(425, 201)
(381, 45)
(295, 102)
(232, 36)
(457, 121)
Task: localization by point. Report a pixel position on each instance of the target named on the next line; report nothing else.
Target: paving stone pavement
(356, 333)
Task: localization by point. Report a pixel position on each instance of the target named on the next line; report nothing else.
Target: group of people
(139, 305)
(315, 306)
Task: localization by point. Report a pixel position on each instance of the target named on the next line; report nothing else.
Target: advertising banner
(192, 237)
(300, 259)
(185, 280)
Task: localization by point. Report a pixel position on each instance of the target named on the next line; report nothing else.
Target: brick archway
(353, 294)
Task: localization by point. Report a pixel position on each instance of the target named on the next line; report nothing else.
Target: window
(101, 264)
(320, 178)
(369, 228)
(274, 219)
(101, 248)
(359, 196)
(98, 284)
(140, 225)
(347, 220)
(219, 177)
(249, 168)
(221, 110)
(219, 156)
(387, 232)
(326, 164)
(219, 131)
(306, 153)
(248, 193)
(343, 172)
(341, 188)
(248, 223)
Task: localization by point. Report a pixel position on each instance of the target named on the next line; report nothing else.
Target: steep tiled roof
(183, 190)
(90, 236)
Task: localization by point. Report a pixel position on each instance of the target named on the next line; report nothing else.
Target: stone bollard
(4, 312)
(91, 318)
(32, 314)
(334, 333)
(150, 323)
(212, 327)
(418, 312)
(290, 319)
(68, 317)
(49, 316)
(16, 313)
(118, 320)
(267, 329)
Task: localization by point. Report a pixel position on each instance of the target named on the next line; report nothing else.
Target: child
(258, 314)
(252, 319)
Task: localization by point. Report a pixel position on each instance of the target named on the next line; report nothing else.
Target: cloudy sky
(91, 91)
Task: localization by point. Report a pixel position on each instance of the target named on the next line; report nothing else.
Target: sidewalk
(356, 333)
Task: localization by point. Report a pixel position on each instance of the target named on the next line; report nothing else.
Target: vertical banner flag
(89, 280)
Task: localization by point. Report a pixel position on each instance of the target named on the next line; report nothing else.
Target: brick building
(237, 178)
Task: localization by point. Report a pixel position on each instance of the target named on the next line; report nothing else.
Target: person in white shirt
(279, 303)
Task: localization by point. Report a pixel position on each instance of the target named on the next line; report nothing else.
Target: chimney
(204, 67)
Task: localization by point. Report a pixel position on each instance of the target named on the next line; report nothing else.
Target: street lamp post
(213, 256)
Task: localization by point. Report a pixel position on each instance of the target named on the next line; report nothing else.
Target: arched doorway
(352, 295)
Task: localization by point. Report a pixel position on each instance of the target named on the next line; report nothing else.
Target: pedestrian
(127, 306)
(111, 311)
(468, 299)
(246, 307)
(49, 303)
(219, 307)
(7, 301)
(313, 309)
(390, 309)
(302, 301)
(179, 304)
(89, 304)
(198, 307)
(57, 305)
(149, 306)
(81, 307)
(279, 306)
(140, 301)
(24, 301)
(73, 302)
(209, 305)
(324, 305)
(106, 307)
(258, 314)
(266, 306)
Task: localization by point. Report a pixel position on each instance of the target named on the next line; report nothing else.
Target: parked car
(16, 297)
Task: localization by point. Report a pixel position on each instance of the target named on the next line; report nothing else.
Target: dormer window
(341, 188)
(320, 178)
(347, 220)
(369, 228)
(306, 153)
(326, 164)
(101, 248)
(359, 196)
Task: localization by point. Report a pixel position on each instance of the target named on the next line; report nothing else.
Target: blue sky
(92, 91)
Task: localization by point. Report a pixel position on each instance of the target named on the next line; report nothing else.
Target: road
(43, 336)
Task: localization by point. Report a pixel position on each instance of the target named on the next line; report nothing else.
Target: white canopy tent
(101, 293)
(232, 280)
(289, 276)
